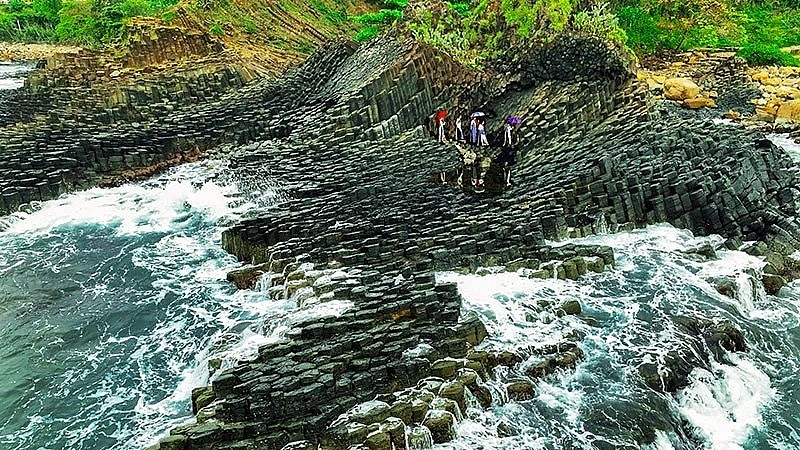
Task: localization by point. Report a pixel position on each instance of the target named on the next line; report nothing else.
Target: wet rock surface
(703, 341)
(346, 136)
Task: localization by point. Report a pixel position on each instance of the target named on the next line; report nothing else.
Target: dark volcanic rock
(346, 138)
(670, 372)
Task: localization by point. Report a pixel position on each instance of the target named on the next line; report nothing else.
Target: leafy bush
(641, 29)
(461, 7)
(600, 21)
(763, 55)
(395, 4)
(367, 33)
(216, 30)
(382, 17)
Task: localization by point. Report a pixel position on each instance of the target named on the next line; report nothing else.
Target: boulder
(672, 373)
(453, 390)
(367, 413)
(724, 335)
(173, 442)
(732, 115)
(482, 394)
(202, 397)
(397, 432)
(445, 368)
(467, 376)
(520, 390)
(247, 277)
(788, 93)
(447, 405)
(431, 384)
(788, 111)
(726, 287)
(680, 89)
(402, 409)
(442, 425)
(698, 102)
(378, 440)
(773, 283)
(571, 307)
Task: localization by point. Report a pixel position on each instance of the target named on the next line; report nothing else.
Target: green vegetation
(89, 22)
(759, 28)
(367, 33)
(600, 21)
(477, 31)
(472, 31)
(763, 55)
(373, 23)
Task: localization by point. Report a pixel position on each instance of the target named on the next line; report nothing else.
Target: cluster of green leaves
(765, 54)
(526, 15)
(475, 31)
(367, 33)
(382, 17)
(372, 23)
(461, 7)
(34, 21)
(600, 21)
(88, 22)
(759, 28)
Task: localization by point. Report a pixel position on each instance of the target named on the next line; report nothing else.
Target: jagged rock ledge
(346, 137)
(356, 164)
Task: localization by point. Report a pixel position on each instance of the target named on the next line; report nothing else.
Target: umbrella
(478, 114)
(514, 120)
(440, 115)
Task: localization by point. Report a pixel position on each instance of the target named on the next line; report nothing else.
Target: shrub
(367, 33)
(382, 17)
(599, 21)
(395, 4)
(764, 54)
(462, 8)
(216, 30)
(641, 29)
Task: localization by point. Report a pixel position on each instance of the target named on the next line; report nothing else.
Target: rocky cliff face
(359, 167)
(347, 136)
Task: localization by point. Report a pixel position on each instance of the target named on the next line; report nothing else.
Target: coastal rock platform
(347, 138)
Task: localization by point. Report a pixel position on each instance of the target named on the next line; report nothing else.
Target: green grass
(373, 23)
(765, 54)
(759, 30)
(87, 22)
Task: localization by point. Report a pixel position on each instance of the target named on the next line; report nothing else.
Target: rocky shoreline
(347, 137)
(18, 52)
(718, 84)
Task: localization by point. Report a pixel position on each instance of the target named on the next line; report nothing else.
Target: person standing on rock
(507, 134)
(483, 141)
(441, 137)
(459, 130)
(473, 131)
(508, 155)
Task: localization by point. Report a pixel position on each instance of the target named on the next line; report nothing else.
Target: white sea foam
(788, 144)
(726, 406)
(169, 229)
(626, 320)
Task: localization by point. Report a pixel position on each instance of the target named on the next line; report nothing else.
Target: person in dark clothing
(508, 154)
(473, 131)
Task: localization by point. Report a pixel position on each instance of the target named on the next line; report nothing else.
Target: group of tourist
(474, 158)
